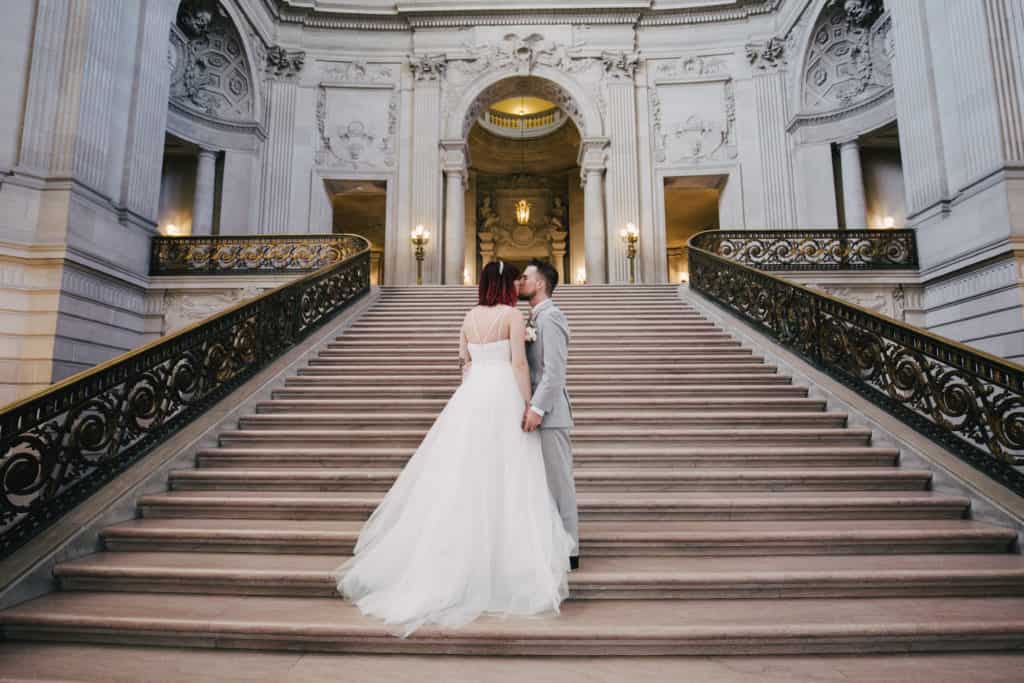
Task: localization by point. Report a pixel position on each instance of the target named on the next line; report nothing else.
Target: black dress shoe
(574, 562)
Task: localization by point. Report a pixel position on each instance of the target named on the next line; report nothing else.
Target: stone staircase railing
(967, 400)
(60, 445)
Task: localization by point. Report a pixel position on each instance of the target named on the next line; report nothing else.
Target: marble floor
(121, 664)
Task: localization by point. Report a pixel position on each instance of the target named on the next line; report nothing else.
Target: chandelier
(523, 212)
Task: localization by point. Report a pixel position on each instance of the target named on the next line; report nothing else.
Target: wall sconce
(420, 237)
(465, 276)
(581, 276)
(888, 222)
(631, 236)
(171, 230)
(684, 277)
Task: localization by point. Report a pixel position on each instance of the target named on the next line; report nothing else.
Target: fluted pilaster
(148, 120)
(282, 94)
(855, 206)
(426, 171)
(924, 170)
(623, 181)
(776, 164)
(592, 160)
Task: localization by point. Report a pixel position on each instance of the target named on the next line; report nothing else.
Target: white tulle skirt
(469, 527)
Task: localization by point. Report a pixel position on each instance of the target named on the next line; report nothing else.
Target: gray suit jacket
(548, 357)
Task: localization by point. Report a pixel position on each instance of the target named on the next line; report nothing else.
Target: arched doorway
(475, 127)
(524, 188)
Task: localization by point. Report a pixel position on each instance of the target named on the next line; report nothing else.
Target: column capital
(593, 155)
(852, 143)
(455, 156)
(207, 152)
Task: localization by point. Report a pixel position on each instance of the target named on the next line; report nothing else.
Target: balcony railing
(62, 444)
(249, 254)
(528, 125)
(816, 249)
(967, 400)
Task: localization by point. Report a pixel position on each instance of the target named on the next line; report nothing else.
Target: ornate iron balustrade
(249, 254)
(64, 443)
(969, 401)
(816, 249)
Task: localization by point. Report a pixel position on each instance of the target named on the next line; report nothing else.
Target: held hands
(531, 420)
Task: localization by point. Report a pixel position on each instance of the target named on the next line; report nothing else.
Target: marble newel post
(456, 161)
(202, 204)
(592, 162)
(854, 203)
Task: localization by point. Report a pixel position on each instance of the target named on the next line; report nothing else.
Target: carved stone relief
(850, 54)
(767, 56)
(693, 112)
(210, 72)
(522, 54)
(356, 128)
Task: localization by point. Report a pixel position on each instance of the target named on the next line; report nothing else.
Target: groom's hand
(531, 421)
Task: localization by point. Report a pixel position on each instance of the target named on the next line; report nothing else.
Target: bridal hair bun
(501, 267)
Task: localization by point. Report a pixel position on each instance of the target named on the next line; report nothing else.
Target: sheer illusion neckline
(490, 328)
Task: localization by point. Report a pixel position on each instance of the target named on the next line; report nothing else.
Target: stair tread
(582, 473)
(707, 498)
(612, 619)
(653, 528)
(609, 568)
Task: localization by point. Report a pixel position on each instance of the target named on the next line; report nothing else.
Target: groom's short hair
(548, 272)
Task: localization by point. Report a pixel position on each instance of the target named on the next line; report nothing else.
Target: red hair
(498, 284)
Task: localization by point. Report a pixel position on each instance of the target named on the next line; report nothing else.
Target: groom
(549, 409)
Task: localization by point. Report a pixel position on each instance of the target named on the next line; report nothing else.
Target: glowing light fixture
(581, 276)
(172, 230)
(523, 212)
(889, 222)
(420, 237)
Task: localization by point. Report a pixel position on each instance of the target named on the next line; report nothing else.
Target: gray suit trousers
(558, 465)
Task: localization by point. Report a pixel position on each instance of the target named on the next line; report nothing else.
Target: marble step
(617, 506)
(625, 356)
(747, 364)
(588, 479)
(585, 628)
(629, 404)
(615, 316)
(416, 345)
(647, 538)
(632, 457)
(581, 436)
(601, 578)
(612, 383)
(580, 392)
(374, 420)
(610, 336)
(577, 327)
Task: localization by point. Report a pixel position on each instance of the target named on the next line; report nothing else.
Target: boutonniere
(531, 331)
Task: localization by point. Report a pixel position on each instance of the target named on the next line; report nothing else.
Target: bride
(470, 525)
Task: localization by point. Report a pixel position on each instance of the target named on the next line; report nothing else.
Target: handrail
(62, 444)
(969, 401)
(249, 254)
(819, 250)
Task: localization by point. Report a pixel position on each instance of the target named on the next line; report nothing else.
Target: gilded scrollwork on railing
(969, 401)
(61, 445)
(816, 249)
(249, 254)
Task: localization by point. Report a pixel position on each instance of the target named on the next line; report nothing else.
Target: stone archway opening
(505, 155)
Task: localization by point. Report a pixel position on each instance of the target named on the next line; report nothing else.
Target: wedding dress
(470, 525)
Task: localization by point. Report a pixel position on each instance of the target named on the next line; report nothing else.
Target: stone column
(428, 72)
(623, 182)
(854, 203)
(456, 159)
(282, 67)
(592, 161)
(202, 203)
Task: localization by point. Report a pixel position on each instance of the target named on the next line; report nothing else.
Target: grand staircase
(723, 510)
